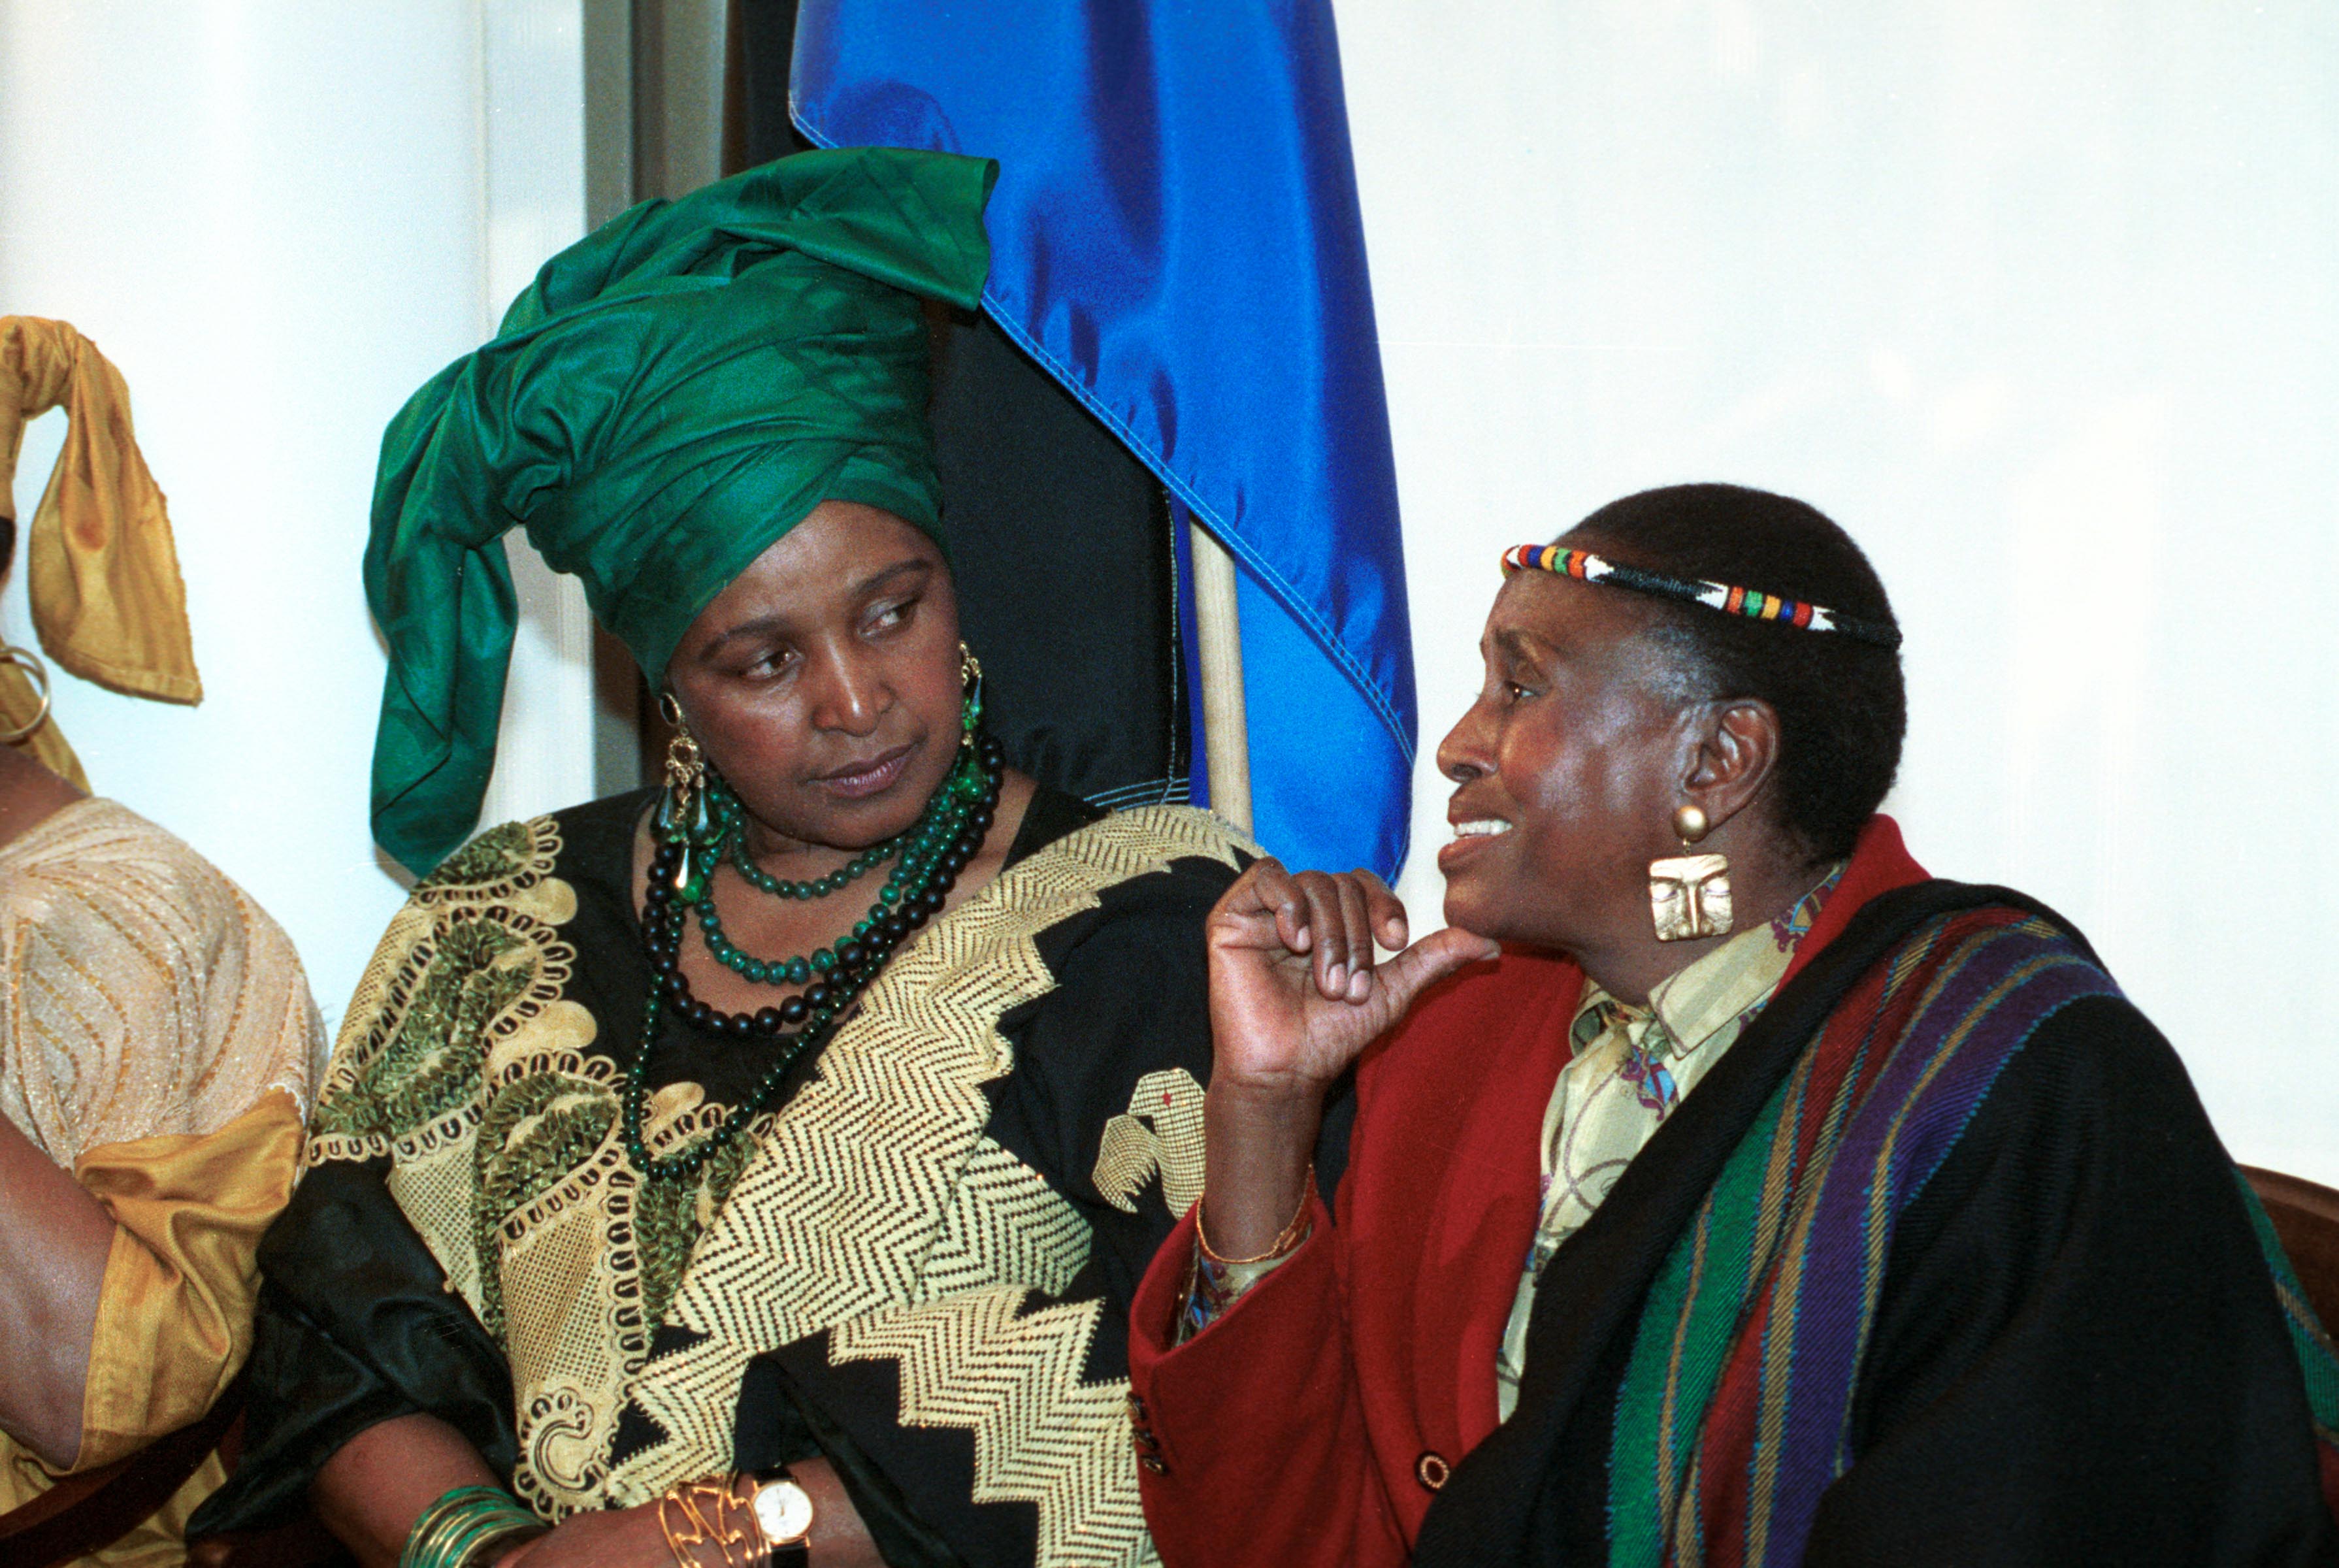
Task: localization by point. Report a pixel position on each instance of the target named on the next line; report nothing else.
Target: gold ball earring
(1690, 824)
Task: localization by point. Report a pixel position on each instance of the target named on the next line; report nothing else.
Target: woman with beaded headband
(759, 1164)
(1741, 1195)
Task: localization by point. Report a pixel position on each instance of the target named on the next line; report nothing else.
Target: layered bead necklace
(929, 858)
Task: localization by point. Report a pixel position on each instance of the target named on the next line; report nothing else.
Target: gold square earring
(1689, 895)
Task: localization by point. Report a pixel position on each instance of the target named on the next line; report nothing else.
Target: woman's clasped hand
(1297, 993)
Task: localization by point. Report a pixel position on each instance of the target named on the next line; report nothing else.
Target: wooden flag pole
(1217, 627)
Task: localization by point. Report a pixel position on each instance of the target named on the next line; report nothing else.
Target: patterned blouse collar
(1736, 978)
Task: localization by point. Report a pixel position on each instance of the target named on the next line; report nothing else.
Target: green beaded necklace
(919, 848)
(947, 836)
(728, 808)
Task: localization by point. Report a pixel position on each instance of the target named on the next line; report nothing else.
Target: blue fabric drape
(1175, 236)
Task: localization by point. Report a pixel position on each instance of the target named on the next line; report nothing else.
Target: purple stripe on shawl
(2002, 988)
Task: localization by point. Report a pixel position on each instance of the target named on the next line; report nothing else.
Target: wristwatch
(783, 1513)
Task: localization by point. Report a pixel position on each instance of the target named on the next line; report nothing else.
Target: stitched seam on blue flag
(1273, 581)
(1285, 594)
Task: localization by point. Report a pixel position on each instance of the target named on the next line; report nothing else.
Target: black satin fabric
(356, 1324)
(386, 1339)
(1085, 690)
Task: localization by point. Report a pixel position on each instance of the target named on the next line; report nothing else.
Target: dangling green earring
(970, 676)
(684, 812)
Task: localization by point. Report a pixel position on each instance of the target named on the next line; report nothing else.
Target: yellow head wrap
(107, 596)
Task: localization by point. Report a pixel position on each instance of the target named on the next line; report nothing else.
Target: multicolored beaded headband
(1588, 567)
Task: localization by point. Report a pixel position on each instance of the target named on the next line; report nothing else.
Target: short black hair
(1842, 708)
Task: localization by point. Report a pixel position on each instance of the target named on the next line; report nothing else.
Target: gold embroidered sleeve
(146, 994)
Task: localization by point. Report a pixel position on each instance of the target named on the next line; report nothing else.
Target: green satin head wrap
(674, 392)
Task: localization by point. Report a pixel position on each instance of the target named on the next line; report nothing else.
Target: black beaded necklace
(953, 826)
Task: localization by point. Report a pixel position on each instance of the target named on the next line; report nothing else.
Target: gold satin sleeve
(174, 1314)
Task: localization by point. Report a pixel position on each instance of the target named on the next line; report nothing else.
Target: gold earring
(970, 712)
(1689, 895)
(681, 809)
(38, 674)
(685, 815)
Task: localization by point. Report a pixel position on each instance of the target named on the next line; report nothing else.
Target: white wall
(2036, 298)
(2041, 302)
(277, 219)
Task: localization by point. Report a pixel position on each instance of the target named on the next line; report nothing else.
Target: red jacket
(1313, 1423)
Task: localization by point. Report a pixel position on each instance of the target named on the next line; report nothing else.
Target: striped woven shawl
(1735, 1412)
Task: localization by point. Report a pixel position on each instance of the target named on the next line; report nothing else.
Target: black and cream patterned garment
(919, 1266)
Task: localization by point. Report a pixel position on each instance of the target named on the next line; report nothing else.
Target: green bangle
(464, 1526)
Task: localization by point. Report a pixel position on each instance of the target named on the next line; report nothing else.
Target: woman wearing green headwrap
(793, 1134)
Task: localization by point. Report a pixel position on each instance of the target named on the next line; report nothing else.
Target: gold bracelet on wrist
(1290, 1236)
(711, 1514)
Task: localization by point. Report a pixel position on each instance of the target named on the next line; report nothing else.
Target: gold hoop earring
(38, 674)
(1689, 895)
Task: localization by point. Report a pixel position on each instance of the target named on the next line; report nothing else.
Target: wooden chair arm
(2306, 1215)
(87, 1512)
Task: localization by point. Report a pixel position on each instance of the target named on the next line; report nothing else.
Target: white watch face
(784, 1511)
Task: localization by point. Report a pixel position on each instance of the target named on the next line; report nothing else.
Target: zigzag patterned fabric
(1740, 1388)
(874, 1207)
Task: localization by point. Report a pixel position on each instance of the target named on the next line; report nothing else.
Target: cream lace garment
(157, 1039)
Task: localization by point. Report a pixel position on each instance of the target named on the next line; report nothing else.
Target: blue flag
(1175, 237)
